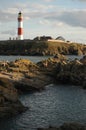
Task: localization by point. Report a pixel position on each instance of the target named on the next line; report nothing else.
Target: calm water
(33, 58)
(53, 106)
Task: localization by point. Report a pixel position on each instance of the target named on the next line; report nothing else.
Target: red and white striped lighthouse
(20, 26)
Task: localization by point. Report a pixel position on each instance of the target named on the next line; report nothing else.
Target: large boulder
(9, 103)
(73, 72)
(65, 71)
(26, 75)
(83, 60)
(21, 65)
(49, 65)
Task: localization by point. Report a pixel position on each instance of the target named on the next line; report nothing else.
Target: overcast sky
(44, 17)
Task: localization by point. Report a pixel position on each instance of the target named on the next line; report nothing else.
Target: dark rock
(83, 60)
(73, 72)
(9, 103)
(28, 76)
(73, 126)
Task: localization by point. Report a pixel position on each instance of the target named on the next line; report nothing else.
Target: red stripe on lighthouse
(20, 19)
(20, 31)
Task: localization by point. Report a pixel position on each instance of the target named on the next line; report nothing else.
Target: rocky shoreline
(64, 71)
(9, 102)
(23, 75)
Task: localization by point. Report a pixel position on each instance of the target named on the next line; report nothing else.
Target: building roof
(60, 38)
(42, 38)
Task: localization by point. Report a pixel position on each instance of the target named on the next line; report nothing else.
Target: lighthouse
(20, 26)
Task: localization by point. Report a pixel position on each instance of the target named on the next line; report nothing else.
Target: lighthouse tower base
(20, 37)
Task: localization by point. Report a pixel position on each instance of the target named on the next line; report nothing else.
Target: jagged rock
(73, 72)
(83, 60)
(9, 103)
(49, 66)
(27, 75)
(37, 82)
(22, 65)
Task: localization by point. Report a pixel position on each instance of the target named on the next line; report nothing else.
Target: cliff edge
(40, 47)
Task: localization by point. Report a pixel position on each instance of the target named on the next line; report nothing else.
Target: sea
(51, 107)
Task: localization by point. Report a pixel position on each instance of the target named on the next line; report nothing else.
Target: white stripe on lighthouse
(20, 24)
(20, 37)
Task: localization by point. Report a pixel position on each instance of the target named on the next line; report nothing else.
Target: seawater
(51, 107)
(33, 58)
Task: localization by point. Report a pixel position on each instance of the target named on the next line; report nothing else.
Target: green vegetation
(40, 47)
